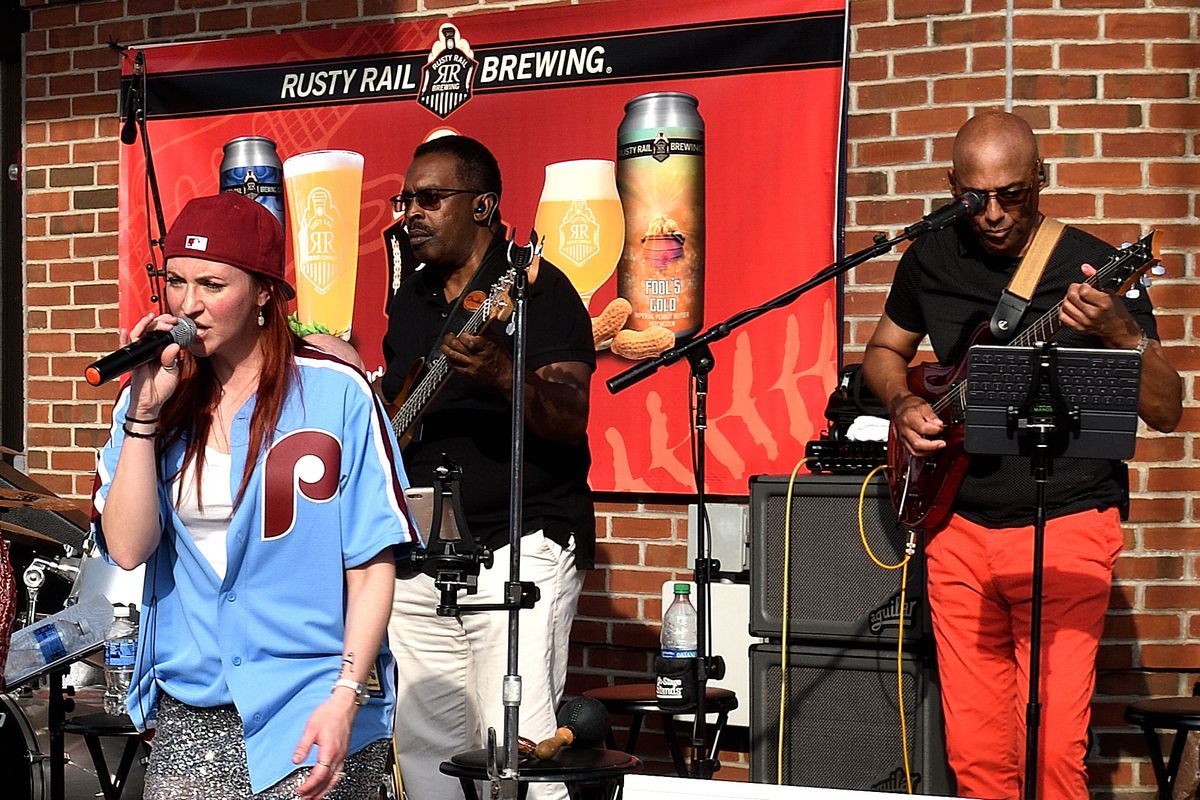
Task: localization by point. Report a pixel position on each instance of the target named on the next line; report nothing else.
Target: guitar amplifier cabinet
(842, 720)
(835, 592)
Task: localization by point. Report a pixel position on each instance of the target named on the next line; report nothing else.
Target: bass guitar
(426, 378)
(923, 487)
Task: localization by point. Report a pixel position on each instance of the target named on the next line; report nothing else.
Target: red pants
(980, 585)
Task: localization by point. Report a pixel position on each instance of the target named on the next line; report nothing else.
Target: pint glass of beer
(580, 216)
(324, 195)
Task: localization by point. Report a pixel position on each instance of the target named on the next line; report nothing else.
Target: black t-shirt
(946, 286)
(471, 423)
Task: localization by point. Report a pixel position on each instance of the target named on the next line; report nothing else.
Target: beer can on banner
(660, 179)
(250, 166)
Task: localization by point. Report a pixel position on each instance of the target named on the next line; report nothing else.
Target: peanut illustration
(611, 320)
(638, 345)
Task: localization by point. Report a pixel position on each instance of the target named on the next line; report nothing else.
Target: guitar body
(923, 487)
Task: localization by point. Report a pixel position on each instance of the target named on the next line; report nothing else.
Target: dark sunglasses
(429, 199)
(1010, 197)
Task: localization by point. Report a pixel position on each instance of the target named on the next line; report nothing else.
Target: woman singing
(259, 482)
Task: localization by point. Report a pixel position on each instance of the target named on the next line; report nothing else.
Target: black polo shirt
(946, 286)
(471, 423)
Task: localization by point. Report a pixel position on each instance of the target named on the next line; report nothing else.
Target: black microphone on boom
(142, 351)
(966, 204)
(133, 98)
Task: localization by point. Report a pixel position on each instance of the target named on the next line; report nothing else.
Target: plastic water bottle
(70, 632)
(675, 668)
(120, 652)
(679, 626)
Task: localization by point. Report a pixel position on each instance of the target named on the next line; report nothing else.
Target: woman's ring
(172, 367)
(324, 764)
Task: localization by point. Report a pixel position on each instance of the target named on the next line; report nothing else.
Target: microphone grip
(548, 748)
(631, 376)
(129, 128)
(139, 352)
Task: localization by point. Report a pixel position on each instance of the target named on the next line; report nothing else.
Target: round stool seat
(1181, 713)
(569, 766)
(640, 698)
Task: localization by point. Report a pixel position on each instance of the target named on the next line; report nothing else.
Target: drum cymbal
(24, 536)
(17, 498)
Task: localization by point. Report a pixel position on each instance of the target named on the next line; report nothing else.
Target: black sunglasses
(429, 199)
(1009, 197)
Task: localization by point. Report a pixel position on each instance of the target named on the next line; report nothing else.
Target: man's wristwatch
(1140, 347)
(361, 695)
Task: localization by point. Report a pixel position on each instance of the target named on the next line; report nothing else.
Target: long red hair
(188, 413)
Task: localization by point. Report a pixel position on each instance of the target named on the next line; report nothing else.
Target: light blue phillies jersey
(327, 495)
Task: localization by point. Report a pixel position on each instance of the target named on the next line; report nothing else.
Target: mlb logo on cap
(196, 243)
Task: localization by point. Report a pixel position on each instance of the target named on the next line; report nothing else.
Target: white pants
(451, 669)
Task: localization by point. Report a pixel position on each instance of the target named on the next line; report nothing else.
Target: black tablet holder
(1043, 403)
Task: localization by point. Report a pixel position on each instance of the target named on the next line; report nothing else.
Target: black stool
(638, 700)
(93, 726)
(1180, 714)
(588, 774)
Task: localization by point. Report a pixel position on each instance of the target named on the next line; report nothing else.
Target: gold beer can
(660, 180)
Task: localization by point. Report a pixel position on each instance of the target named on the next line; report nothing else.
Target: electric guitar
(923, 487)
(426, 379)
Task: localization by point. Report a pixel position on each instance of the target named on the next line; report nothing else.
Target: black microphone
(132, 99)
(142, 351)
(965, 205)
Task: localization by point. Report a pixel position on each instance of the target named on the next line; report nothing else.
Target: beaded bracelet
(141, 421)
(137, 435)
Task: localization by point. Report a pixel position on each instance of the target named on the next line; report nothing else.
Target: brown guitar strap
(1016, 296)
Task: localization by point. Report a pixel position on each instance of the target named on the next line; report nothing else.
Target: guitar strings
(954, 401)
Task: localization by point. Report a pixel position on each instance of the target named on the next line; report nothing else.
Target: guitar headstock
(1127, 266)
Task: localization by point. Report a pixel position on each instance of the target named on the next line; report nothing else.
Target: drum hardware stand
(700, 357)
(34, 579)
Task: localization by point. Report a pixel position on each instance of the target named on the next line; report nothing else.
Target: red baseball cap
(232, 229)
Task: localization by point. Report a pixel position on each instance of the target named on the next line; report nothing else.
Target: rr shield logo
(448, 74)
(579, 233)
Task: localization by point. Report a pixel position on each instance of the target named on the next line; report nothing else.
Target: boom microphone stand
(134, 121)
(699, 356)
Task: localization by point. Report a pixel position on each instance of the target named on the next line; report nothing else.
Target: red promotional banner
(724, 203)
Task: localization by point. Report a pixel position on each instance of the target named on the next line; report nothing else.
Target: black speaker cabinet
(842, 720)
(835, 592)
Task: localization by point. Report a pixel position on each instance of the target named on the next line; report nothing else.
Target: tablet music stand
(1049, 402)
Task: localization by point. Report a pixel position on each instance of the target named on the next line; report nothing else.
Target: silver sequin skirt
(199, 754)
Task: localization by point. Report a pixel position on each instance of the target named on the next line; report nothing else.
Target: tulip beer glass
(324, 195)
(580, 217)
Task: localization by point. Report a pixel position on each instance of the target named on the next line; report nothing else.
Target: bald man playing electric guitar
(979, 557)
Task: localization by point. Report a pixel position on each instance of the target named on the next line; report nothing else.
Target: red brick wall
(1110, 85)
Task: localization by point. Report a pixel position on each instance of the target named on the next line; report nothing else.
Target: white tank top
(208, 527)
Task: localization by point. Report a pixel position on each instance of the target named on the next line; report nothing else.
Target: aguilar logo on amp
(448, 73)
(888, 615)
